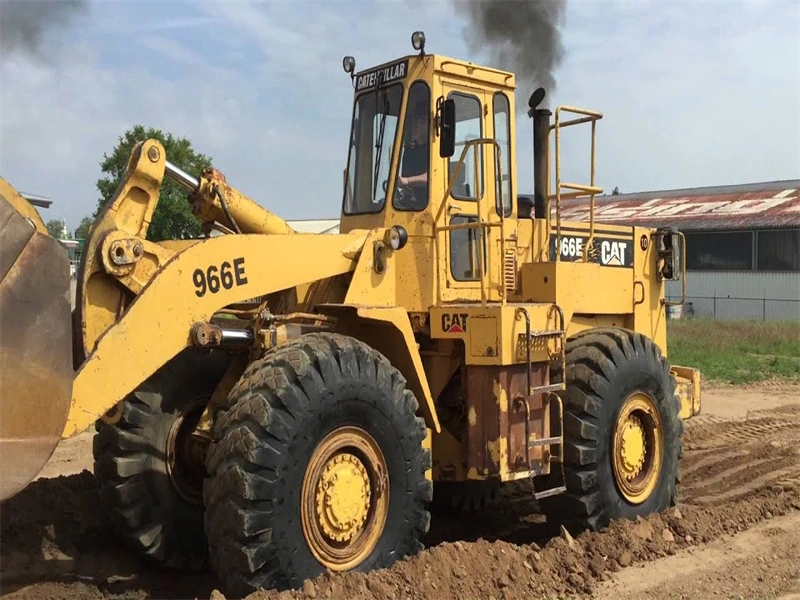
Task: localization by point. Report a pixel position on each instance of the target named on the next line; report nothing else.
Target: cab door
(471, 217)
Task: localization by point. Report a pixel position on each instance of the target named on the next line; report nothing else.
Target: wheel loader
(274, 404)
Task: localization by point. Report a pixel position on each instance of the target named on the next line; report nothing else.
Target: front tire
(317, 463)
(150, 483)
(622, 431)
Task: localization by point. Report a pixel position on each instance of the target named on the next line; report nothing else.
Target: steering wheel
(404, 197)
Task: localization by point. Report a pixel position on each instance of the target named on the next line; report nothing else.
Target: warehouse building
(742, 244)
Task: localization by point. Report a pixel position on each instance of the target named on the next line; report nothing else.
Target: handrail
(480, 225)
(590, 116)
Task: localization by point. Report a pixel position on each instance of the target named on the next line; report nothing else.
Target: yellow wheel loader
(279, 404)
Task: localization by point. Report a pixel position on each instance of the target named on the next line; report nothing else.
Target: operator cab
(431, 147)
(400, 134)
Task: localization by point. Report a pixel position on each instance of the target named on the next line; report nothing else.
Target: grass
(736, 352)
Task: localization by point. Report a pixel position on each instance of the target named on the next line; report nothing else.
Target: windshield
(372, 142)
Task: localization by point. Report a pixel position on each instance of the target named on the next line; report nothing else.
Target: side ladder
(550, 391)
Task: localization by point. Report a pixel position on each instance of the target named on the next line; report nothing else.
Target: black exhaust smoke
(25, 23)
(523, 36)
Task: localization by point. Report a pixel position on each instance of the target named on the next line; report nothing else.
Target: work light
(418, 40)
(398, 237)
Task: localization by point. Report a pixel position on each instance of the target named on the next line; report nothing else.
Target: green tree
(173, 218)
(57, 228)
(82, 231)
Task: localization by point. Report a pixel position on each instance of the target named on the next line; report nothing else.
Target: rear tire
(612, 371)
(137, 487)
(268, 511)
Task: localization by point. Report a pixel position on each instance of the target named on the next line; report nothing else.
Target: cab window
(411, 190)
(502, 135)
(468, 127)
(375, 126)
(464, 259)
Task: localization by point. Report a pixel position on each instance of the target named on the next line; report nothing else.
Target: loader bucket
(35, 342)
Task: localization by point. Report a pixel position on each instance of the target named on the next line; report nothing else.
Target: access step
(544, 442)
(544, 389)
(550, 492)
(546, 333)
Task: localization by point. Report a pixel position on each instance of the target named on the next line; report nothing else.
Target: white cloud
(693, 94)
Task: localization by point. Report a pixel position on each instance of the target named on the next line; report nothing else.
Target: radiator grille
(510, 270)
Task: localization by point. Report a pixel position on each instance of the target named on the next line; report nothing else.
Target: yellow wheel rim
(345, 498)
(637, 448)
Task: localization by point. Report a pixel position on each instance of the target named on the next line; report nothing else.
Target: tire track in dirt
(743, 489)
(725, 459)
(692, 462)
(714, 432)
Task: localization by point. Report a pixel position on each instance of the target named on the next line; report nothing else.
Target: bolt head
(153, 154)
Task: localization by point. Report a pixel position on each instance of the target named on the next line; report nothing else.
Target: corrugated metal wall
(740, 294)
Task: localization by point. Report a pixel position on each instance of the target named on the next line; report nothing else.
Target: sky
(693, 93)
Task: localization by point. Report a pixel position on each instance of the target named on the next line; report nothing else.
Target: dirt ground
(734, 534)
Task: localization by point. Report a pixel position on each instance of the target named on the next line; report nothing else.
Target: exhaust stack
(541, 131)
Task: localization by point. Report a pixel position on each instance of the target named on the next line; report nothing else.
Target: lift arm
(119, 261)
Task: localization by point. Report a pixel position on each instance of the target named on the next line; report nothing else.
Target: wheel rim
(185, 454)
(344, 498)
(637, 448)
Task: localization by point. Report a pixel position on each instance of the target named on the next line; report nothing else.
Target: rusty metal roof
(757, 205)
